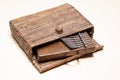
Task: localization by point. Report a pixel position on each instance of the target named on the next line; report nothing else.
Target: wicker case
(42, 32)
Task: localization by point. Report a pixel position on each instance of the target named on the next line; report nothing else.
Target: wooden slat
(69, 46)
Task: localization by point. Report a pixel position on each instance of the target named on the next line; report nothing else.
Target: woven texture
(35, 30)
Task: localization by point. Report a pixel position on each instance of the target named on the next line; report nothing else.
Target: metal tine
(86, 38)
(81, 37)
(73, 41)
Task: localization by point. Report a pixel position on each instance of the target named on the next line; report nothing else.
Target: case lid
(49, 25)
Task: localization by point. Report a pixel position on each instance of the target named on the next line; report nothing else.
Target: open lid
(52, 24)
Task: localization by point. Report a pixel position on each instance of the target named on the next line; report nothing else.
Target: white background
(104, 65)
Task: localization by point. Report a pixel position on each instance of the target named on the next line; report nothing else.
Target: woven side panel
(22, 43)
